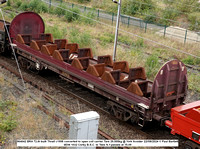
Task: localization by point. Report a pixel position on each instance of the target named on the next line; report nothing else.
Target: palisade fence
(173, 32)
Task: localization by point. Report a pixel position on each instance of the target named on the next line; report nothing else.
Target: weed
(106, 38)
(12, 15)
(51, 10)
(125, 40)
(7, 115)
(2, 138)
(56, 32)
(60, 10)
(18, 3)
(88, 19)
(167, 14)
(9, 3)
(83, 39)
(24, 6)
(7, 8)
(82, 1)
(152, 65)
(191, 61)
(139, 43)
(37, 6)
(194, 18)
(194, 79)
(73, 15)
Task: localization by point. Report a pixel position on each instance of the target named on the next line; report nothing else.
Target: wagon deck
(132, 95)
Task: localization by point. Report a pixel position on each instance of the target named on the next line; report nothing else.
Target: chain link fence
(173, 32)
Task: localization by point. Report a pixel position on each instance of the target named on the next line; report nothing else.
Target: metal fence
(173, 32)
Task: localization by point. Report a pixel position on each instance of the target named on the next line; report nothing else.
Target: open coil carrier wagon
(131, 95)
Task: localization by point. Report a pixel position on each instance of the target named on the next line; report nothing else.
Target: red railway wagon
(131, 95)
(185, 121)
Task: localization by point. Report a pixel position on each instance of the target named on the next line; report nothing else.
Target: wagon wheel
(134, 119)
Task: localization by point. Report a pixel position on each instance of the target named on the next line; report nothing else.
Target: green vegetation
(165, 12)
(191, 61)
(88, 18)
(60, 10)
(81, 1)
(168, 14)
(152, 65)
(56, 32)
(30, 5)
(194, 19)
(73, 15)
(109, 38)
(134, 7)
(82, 38)
(8, 120)
(193, 78)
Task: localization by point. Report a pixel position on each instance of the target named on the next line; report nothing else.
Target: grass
(193, 78)
(82, 38)
(56, 32)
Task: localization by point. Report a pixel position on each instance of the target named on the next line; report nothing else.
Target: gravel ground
(31, 122)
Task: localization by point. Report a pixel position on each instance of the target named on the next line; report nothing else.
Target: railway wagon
(131, 96)
(185, 121)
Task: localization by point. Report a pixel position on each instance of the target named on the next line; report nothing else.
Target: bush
(9, 3)
(17, 3)
(52, 10)
(99, 4)
(60, 10)
(182, 5)
(73, 15)
(37, 6)
(194, 19)
(168, 14)
(88, 19)
(24, 6)
(130, 7)
(150, 17)
(82, 1)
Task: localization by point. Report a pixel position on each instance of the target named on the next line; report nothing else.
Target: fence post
(72, 5)
(128, 21)
(112, 18)
(165, 30)
(185, 36)
(85, 9)
(49, 3)
(146, 27)
(98, 13)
